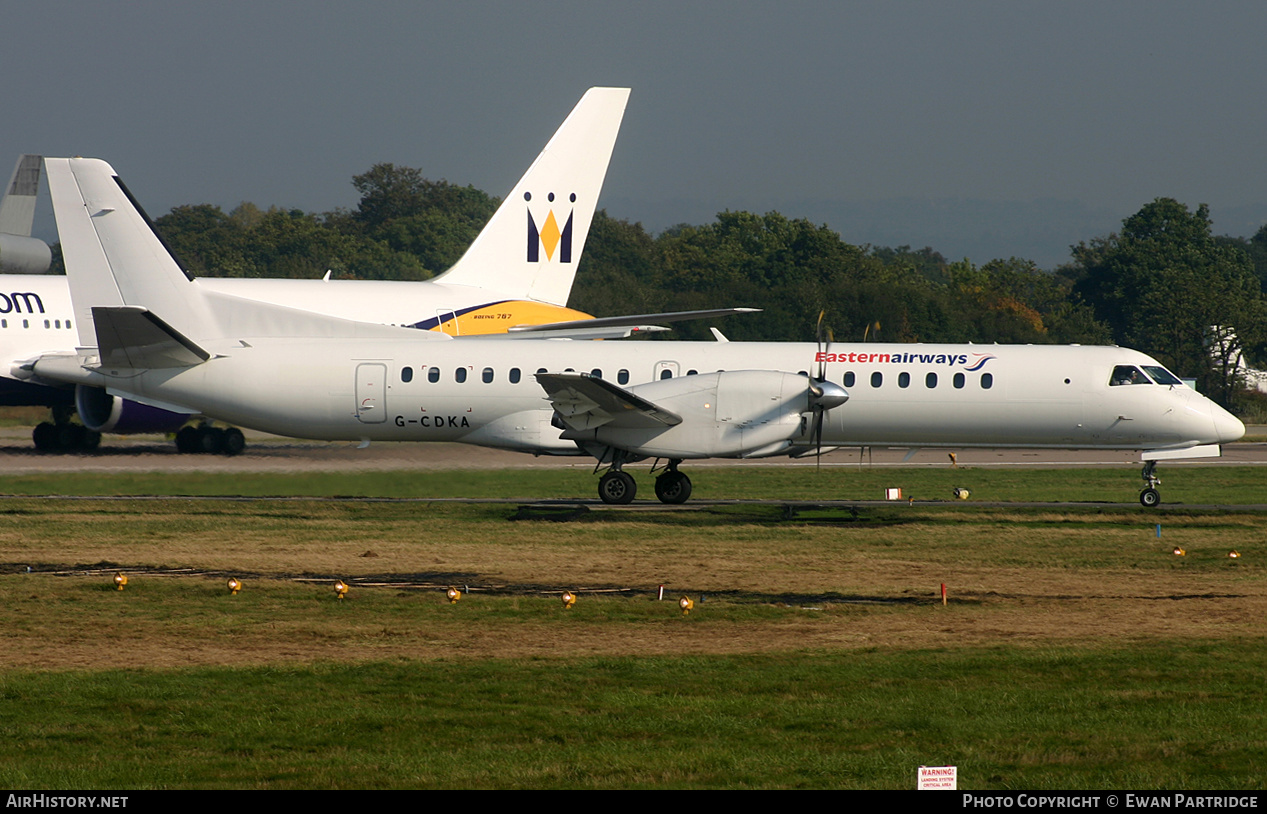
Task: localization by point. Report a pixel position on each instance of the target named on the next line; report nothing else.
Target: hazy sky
(982, 129)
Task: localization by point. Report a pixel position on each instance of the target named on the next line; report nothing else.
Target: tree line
(1163, 283)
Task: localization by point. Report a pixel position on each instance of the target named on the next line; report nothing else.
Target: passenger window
(1127, 374)
(877, 379)
(622, 377)
(47, 324)
(692, 372)
(541, 370)
(433, 374)
(597, 373)
(666, 374)
(488, 375)
(987, 381)
(514, 375)
(959, 380)
(850, 379)
(460, 375)
(406, 374)
(930, 381)
(904, 379)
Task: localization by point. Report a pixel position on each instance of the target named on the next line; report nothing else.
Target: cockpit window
(1127, 374)
(1161, 375)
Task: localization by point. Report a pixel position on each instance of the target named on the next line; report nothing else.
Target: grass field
(1075, 651)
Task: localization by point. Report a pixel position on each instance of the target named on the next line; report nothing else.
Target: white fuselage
(36, 317)
(484, 391)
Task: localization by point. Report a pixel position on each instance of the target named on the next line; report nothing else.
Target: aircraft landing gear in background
(209, 440)
(673, 486)
(1150, 497)
(60, 435)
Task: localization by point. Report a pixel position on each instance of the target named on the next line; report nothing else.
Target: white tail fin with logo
(531, 246)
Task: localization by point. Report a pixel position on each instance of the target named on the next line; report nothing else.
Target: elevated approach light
(340, 589)
(685, 603)
(120, 579)
(235, 585)
(454, 595)
(1178, 552)
(569, 599)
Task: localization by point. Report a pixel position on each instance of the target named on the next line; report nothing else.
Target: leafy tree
(1165, 285)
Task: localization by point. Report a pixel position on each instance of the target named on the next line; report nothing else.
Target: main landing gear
(617, 487)
(60, 435)
(209, 440)
(1150, 497)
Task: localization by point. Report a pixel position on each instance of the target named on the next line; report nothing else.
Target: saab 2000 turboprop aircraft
(152, 335)
(518, 273)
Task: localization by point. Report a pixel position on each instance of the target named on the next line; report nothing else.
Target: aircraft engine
(727, 414)
(23, 255)
(100, 411)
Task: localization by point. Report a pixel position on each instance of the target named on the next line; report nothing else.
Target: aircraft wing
(585, 402)
(641, 320)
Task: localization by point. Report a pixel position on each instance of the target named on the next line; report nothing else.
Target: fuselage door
(371, 393)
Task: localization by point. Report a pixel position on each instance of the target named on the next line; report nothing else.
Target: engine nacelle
(100, 411)
(729, 414)
(23, 255)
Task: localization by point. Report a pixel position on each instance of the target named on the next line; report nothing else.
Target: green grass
(395, 688)
(1201, 485)
(1172, 716)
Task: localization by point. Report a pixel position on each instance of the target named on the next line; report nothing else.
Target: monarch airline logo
(548, 236)
(14, 303)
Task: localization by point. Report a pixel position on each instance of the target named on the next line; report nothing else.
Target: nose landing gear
(1150, 497)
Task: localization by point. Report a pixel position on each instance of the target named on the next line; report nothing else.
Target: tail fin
(19, 252)
(530, 247)
(113, 256)
(17, 210)
(118, 266)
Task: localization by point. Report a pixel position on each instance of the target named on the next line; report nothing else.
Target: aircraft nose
(1227, 427)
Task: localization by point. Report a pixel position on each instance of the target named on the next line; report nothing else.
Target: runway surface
(272, 454)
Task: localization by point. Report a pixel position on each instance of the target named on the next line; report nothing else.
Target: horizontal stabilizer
(131, 337)
(643, 321)
(585, 402)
